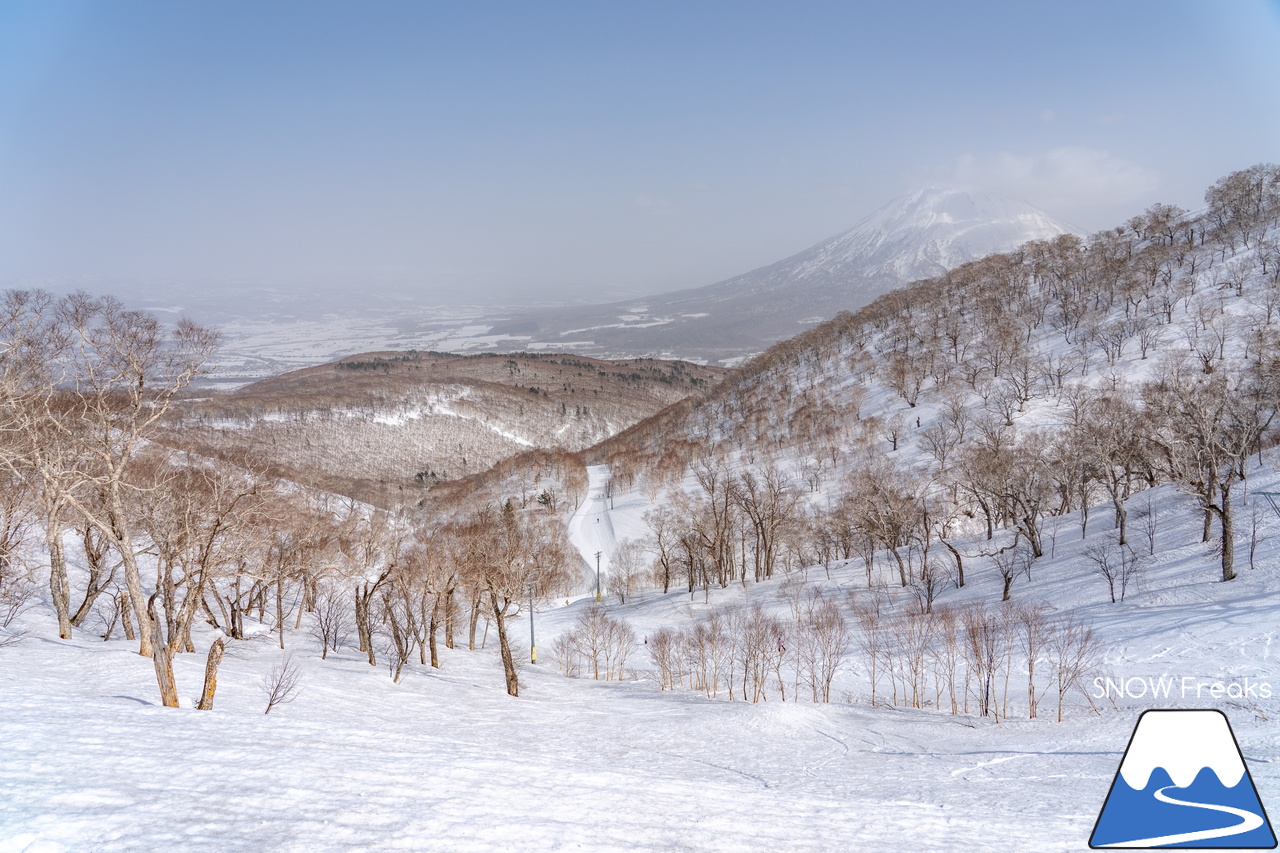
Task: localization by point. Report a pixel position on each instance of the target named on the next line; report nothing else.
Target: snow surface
(446, 761)
(934, 229)
(922, 234)
(591, 527)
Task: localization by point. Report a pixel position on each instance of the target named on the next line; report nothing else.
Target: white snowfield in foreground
(446, 761)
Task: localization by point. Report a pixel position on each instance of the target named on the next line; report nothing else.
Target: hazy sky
(521, 150)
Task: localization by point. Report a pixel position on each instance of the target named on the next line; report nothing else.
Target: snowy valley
(902, 582)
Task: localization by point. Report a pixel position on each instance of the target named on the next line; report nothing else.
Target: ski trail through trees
(591, 529)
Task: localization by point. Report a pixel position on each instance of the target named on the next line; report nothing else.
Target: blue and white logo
(1183, 783)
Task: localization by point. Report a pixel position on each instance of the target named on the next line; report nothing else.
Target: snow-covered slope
(959, 749)
(445, 760)
(924, 233)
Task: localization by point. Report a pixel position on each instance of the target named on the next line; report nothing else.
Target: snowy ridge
(927, 232)
(1183, 743)
(919, 235)
(935, 229)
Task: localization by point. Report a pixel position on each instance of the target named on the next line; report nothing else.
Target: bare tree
(194, 516)
(1033, 635)
(16, 590)
(664, 647)
(986, 647)
(120, 371)
(1011, 561)
(886, 504)
(666, 526)
(1209, 426)
(768, 500)
(627, 569)
(41, 434)
(102, 568)
(823, 639)
(1148, 519)
(527, 557)
(946, 653)
(17, 594)
(329, 624)
(372, 545)
(709, 648)
(1114, 434)
(869, 614)
(281, 684)
(1243, 204)
(1115, 563)
(1072, 651)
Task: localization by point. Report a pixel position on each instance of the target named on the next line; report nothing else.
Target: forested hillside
(386, 427)
(1068, 376)
(945, 430)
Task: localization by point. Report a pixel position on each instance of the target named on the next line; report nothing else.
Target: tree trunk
(307, 604)
(94, 556)
(508, 664)
(1033, 536)
(133, 581)
(1122, 521)
(163, 662)
(1208, 506)
(362, 624)
(450, 609)
(59, 587)
(902, 567)
(1228, 533)
(431, 633)
(959, 562)
(1031, 687)
(90, 597)
(211, 675)
(475, 617)
(280, 608)
(126, 617)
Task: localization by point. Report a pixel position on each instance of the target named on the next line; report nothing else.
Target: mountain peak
(920, 235)
(932, 229)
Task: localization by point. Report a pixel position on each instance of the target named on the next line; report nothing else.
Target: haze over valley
(449, 427)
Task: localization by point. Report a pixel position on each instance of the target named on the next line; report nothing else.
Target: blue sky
(505, 151)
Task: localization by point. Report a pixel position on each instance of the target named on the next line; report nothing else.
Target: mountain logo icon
(1183, 783)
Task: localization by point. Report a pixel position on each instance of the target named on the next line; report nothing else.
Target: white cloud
(1062, 177)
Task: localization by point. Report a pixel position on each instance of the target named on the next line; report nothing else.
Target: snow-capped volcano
(932, 230)
(919, 235)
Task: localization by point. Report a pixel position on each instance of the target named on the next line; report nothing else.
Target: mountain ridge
(916, 236)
